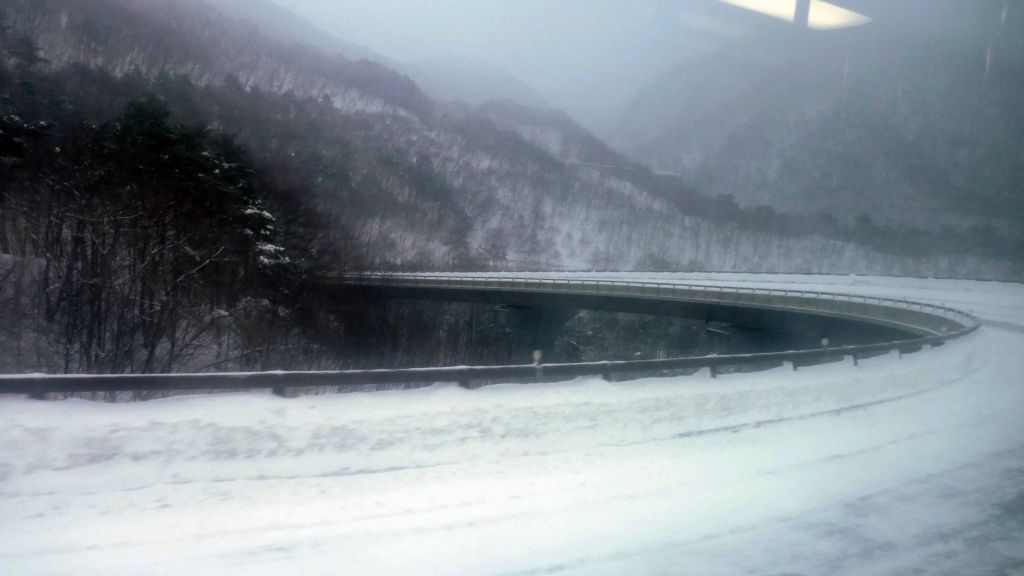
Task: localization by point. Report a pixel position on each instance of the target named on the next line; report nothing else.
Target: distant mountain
(151, 37)
(469, 81)
(555, 132)
(452, 78)
(398, 180)
(908, 131)
(280, 22)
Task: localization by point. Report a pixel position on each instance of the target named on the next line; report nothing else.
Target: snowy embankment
(891, 466)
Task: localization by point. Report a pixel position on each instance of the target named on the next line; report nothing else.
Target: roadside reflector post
(538, 355)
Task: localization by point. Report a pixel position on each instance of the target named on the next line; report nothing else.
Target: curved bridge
(782, 310)
(913, 325)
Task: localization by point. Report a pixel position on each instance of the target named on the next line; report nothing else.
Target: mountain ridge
(900, 131)
(413, 184)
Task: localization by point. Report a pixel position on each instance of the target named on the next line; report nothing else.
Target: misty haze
(484, 287)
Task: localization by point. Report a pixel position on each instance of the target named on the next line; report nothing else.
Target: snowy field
(897, 466)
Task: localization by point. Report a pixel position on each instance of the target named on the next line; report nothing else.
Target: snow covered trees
(139, 244)
(140, 230)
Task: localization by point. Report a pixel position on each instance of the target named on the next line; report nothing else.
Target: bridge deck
(728, 304)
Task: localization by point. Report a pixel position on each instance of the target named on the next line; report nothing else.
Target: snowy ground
(893, 467)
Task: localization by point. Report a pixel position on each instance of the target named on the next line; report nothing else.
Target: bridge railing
(944, 324)
(915, 316)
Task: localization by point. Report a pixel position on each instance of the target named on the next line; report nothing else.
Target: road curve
(891, 467)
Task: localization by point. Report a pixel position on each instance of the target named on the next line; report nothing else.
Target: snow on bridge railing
(39, 385)
(820, 301)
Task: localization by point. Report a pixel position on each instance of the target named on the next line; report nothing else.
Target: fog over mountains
(908, 119)
(911, 122)
(408, 180)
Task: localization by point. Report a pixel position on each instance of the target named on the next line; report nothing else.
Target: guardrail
(939, 324)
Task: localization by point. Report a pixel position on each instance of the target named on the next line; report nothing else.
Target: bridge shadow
(405, 327)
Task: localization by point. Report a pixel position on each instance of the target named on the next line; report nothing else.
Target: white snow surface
(896, 466)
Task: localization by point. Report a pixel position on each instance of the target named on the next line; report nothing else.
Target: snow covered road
(892, 467)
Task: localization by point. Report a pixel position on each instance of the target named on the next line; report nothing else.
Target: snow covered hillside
(398, 181)
(891, 467)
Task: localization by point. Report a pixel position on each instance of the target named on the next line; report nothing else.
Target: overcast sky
(586, 56)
